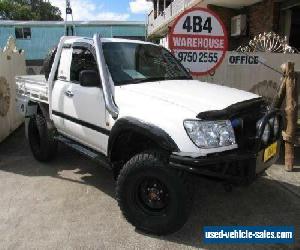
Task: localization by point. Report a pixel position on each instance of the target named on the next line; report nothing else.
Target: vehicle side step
(90, 153)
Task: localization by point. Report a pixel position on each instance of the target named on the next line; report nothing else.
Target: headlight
(210, 134)
(266, 134)
(276, 125)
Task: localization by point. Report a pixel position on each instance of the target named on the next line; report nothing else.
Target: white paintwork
(165, 104)
(79, 107)
(65, 64)
(55, 65)
(192, 95)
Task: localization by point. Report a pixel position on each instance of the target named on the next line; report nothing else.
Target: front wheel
(153, 197)
(41, 140)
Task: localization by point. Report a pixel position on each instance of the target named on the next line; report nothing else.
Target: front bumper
(234, 166)
(238, 166)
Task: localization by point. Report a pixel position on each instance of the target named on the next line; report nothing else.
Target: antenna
(69, 29)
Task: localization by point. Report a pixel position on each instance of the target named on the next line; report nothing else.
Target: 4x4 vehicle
(132, 106)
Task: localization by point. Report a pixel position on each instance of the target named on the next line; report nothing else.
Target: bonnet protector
(233, 110)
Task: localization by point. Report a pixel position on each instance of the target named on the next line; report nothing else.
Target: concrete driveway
(70, 204)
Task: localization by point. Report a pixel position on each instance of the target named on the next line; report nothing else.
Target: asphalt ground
(70, 204)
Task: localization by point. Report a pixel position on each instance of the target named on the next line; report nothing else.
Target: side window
(27, 33)
(23, 33)
(82, 59)
(19, 33)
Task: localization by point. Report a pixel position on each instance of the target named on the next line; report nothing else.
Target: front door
(79, 111)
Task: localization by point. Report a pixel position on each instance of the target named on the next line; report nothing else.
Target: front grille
(244, 124)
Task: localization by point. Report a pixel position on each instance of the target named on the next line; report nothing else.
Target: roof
(62, 23)
(122, 40)
(105, 40)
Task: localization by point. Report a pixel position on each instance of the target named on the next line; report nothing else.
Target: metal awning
(287, 4)
(235, 4)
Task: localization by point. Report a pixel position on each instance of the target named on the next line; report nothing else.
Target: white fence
(12, 63)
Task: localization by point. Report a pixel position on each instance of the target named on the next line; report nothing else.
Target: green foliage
(37, 10)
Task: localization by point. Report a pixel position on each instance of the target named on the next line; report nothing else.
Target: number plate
(270, 151)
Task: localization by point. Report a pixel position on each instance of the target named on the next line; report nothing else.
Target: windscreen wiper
(140, 80)
(181, 78)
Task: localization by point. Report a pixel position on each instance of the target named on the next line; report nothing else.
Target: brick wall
(226, 14)
(263, 17)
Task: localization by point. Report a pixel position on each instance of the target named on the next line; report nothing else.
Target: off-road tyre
(48, 62)
(148, 166)
(41, 139)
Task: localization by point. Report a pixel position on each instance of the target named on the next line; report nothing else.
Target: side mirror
(89, 78)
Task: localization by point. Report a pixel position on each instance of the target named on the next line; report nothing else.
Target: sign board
(244, 59)
(199, 40)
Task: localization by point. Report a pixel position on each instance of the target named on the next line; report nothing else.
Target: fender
(33, 107)
(44, 109)
(151, 131)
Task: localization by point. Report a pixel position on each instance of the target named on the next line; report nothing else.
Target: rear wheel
(152, 196)
(41, 140)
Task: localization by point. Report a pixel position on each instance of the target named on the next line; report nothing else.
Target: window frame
(91, 49)
(22, 32)
(65, 77)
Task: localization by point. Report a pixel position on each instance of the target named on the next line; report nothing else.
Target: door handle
(69, 93)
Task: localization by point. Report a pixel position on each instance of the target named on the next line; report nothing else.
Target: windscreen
(131, 63)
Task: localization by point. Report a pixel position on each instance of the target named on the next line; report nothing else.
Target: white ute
(134, 108)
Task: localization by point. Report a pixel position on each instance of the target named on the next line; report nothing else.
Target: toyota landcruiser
(134, 108)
